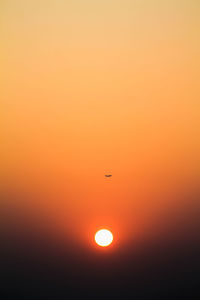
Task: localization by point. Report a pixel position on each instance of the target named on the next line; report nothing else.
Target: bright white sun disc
(103, 237)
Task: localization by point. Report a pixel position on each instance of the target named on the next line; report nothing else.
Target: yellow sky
(95, 87)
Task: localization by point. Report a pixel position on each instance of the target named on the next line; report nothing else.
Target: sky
(96, 87)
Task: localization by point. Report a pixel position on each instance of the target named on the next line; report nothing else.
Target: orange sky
(90, 88)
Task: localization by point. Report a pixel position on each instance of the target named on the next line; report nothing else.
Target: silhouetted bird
(108, 175)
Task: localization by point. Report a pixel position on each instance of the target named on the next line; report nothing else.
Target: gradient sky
(95, 87)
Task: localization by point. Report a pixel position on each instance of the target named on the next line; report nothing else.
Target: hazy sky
(91, 87)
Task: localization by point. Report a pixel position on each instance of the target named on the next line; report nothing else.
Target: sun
(103, 237)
